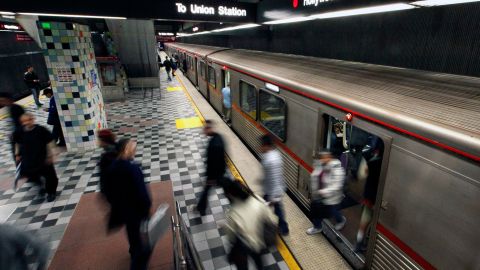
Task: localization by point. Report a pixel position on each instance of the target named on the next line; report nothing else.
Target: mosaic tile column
(76, 85)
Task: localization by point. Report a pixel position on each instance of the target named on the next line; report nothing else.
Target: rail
(185, 254)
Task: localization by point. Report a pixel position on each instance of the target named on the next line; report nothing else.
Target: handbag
(156, 225)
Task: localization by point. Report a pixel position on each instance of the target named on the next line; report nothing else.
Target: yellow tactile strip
(192, 122)
(174, 88)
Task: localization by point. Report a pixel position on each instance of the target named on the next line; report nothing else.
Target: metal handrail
(185, 253)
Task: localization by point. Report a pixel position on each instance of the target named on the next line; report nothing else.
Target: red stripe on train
(405, 248)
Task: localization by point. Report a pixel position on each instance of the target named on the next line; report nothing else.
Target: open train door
(363, 151)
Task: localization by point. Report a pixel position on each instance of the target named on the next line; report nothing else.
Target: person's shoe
(51, 197)
(313, 230)
(339, 226)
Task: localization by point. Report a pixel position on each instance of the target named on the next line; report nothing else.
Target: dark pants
(139, 249)
(51, 179)
(202, 203)
(319, 211)
(239, 256)
(278, 210)
(58, 134)
(35, 96)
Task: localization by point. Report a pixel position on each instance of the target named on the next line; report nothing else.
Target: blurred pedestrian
(15, 110)
(168, 67)
(130, 198)
(215, 164)
(327, 181)
(273, 183)
(33, 83)
(174, 65)
(245, 226)
(21, 250)
(53, 118)
(34, 148)
(184, 65)
(227, 103)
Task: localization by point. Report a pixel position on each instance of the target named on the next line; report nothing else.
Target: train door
(195, 70)
(226, 100)
(363, 156)
(202, 81)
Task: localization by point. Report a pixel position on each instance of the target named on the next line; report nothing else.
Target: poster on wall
(64, 74)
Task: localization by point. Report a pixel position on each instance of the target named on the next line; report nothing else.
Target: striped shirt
(273, 183)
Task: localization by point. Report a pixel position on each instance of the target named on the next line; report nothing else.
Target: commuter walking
(131, 200)
(33, 83)
(168, 67)
(15, 110)
(227, 104)
(106, 140)
(174, 65)
(327, 191)
(53, 119)
(245, 226)
(35, 150)
(184, 65)
(215, 164)
(273, 183)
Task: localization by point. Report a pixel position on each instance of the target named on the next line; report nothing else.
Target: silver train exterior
(429, 187)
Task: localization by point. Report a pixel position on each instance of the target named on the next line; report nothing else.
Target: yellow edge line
(282, 248)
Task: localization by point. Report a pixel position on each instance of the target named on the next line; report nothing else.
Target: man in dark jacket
(33, 83)
(35, 149)
(168, 67)
(15, 111)
(53, 119)
(215, 164)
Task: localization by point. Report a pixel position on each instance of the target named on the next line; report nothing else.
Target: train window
(211, 77)
(202, 69)
(273, 111)
(248, 99)
(361, 156)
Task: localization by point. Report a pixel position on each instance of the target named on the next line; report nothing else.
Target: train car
(419, 127)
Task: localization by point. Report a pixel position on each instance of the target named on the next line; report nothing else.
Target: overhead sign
(269, 10)
(211, 10)
(9, 26)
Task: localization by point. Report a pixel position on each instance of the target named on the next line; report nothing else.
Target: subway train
(416, 132)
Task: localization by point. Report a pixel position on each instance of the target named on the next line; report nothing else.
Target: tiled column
(76, 85)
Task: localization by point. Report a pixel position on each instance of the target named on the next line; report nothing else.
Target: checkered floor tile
(165, 152)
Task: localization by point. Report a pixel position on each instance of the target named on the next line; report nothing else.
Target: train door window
(202, 70)
(248, 99)
(273, 112)
(360, 154)
(212, 78)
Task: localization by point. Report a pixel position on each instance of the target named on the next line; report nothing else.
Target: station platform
(168, 130)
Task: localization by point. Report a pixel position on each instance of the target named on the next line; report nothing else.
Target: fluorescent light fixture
(363, 11)
(348, 12)
(431, 3)
(195, 29)
(165, 34)
(72, 16)
(7, 13)
(290, 20)
(272, 87)
(238, 27)
(8, 16)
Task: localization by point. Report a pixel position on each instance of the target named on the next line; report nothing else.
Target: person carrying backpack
(251, 226)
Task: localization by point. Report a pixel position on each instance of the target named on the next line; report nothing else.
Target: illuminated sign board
(12, 27)
(221, 10)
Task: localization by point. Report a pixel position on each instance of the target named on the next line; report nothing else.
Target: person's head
(324, 156)
(6, 99)
(27, 120)
(234, 190)
(126, 149)
(105, 138)
(266, 143)
(208, 129)
(29, 68)
(48, 92)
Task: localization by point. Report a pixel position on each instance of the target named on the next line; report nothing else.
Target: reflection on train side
(361, 156)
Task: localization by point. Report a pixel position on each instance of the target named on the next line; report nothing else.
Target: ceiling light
(72, 16)
(165, 34)
(290, 20)
(363, 11)
(243, 26)
(430, 3)
(195, 29)
(7, 13)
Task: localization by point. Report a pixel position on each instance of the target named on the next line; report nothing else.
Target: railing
(185, 254)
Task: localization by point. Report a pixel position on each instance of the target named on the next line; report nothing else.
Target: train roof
(444, 108)
(200, 50)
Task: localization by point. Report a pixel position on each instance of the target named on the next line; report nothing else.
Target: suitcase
(157, 225)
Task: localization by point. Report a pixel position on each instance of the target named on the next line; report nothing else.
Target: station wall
(441, 39)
